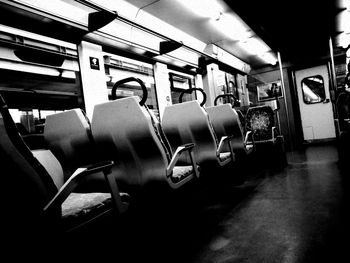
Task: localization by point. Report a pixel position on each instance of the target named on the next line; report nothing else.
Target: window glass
(118, 68)
(180, 82)
(313, 89)
(39, 76)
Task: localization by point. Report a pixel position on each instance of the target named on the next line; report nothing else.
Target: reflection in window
(118, 67)
(313, 89)
(178, 84)
(39, 76)
(31, 121)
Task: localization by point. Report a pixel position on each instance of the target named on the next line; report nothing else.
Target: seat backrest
(124, 131)
(225, 121)
(188, 122)
(68, 135)
(260, 120)
(241, 117)
(25, 182)
(343, 106)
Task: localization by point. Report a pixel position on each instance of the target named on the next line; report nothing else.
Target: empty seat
(234, 102)
(343, 107)
(39, 202)
(188, 122)
(128, 132)
(226, 122)
(269, 143)
(261, 121)
(68, 136)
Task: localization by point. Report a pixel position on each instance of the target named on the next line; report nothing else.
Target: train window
(313, 89)
(30, 121)
(179, 83)
(118, 67)
(39, 76)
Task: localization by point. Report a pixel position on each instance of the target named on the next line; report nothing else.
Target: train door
(314, 103)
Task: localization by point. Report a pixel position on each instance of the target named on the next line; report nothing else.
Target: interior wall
(92, 75)
(285, 113)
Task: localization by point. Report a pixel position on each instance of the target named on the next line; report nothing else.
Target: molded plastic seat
(343, 106)
(128, 133)
(261, 121)
(226, 122)
(188, 122)
(39, 201)
(68, 136)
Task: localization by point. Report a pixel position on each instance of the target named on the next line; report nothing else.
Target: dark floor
(295, 215)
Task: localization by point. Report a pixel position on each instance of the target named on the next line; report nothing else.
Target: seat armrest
(120, 200)
(186, 147)
(274, 133)
(76, 178)
(222, 142)
(249, 135)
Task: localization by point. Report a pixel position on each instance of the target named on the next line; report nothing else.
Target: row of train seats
(41, 201)
(94, 168)
(254, 131)
(343, 107)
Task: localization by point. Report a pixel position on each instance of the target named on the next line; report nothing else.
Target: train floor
(295, 214)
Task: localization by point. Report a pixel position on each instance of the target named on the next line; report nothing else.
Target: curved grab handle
(122, 81)
(190, 91)
(226, 95)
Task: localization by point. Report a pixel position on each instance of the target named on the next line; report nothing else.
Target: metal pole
(334, 78)
(285, 98)
(333, 89)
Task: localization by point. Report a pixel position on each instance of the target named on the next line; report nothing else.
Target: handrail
(123, 81)
(190, 91)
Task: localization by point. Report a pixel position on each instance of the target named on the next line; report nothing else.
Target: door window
(313, 89)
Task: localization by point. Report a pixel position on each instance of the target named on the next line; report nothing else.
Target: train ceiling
(212, 22)
(298, 29)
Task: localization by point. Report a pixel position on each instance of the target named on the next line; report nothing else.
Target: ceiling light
(233, 27)
(343, 40)
(203, 8)
(269, 57)
(344, 3)
(254, 46)
(343, 21)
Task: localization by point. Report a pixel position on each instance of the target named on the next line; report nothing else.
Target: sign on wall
(94, 63)
(269, 91)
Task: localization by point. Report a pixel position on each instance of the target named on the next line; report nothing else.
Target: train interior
(175, 131)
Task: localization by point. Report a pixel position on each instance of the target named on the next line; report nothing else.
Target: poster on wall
(269, 91)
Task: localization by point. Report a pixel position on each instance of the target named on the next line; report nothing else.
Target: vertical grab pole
(333, 89)
(285, 98)
(334, 78)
